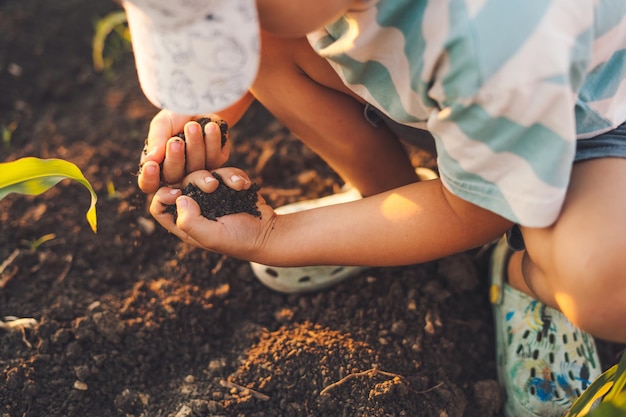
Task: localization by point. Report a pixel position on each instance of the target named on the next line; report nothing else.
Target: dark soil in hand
(132, 322)
(223, 201)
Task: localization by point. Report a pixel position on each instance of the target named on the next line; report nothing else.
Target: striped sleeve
(506, 87)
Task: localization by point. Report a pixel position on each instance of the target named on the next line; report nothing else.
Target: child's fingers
(202, 179)
(164, 197)
(194, 147)
(234, 178)
(149, 178)
(174, 163)
(162, 127)
(190, 218)
(215, 154)
(187, 208)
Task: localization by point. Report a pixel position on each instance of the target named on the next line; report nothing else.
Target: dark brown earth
(221, 202)
(131, 322)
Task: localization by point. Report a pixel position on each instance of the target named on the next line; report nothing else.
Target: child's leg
(579, 264)
(578, 267)
(304, 93)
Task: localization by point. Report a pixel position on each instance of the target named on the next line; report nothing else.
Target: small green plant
(113, 22)
(33, 245)
(34, 176)
(112, 193)
(7, 134)
(607, 393)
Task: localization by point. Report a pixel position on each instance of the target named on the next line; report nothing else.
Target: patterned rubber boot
(544, 361)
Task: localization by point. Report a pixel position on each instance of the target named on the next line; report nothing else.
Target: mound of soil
(131, 322)
(223, 201)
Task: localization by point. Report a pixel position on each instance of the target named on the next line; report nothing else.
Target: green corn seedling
(104, 27)
(7, 134)
(33, 245)
(34, 176)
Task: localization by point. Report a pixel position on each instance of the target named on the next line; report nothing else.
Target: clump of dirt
(346, 375)
(223, 201)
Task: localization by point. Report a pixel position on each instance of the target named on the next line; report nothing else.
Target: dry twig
(4, 265)
(8, 260)
(19, 325)
(255, 394)
(370, 373)
(66, 269)
(218, 265)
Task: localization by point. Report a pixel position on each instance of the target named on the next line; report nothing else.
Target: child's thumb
(188, 213)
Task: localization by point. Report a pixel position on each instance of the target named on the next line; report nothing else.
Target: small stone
(109, 325)
(147, 226)
(185, 411)
(80, 385)
(398, 327)
(216, 364)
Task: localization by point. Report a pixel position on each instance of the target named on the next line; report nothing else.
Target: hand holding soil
(166, 159)
(227, 215)
(224, 200)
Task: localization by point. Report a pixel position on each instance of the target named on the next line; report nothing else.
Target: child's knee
(590, 287)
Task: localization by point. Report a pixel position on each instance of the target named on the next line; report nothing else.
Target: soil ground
(130, 322)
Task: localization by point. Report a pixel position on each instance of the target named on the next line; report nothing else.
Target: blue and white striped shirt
(506, 87)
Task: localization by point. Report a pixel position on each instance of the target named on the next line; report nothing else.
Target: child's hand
(240, 235)
(167, 158)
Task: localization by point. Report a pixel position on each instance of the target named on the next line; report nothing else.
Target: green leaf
(610, 388)
(620, 379)
(615, 407)
(34, 176)
(598, 388)
(103, 28)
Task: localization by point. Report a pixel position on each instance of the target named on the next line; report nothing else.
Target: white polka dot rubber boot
(544, 361)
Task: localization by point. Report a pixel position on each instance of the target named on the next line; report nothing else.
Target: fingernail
(209, 179)
(211, 127)
(182, 202)
(150, 169)
(176, 146)
(193, 128)
(237, 178)
(174, 191)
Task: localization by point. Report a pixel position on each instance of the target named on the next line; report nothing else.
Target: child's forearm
(411, 224)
